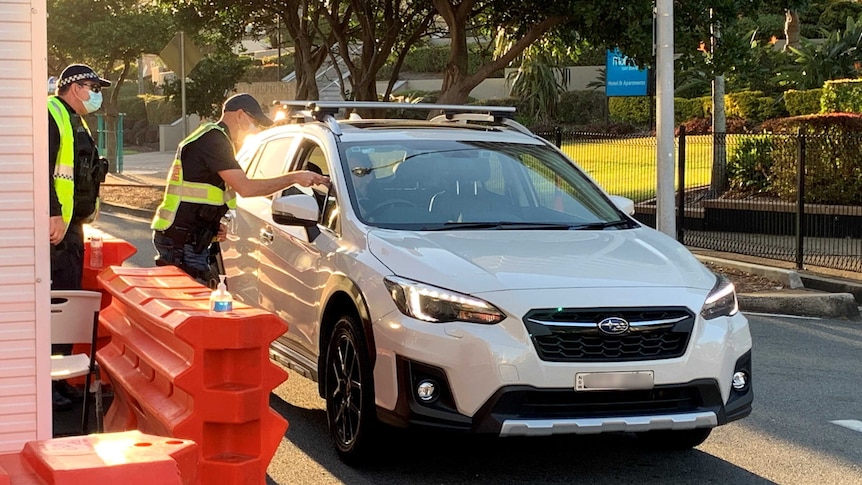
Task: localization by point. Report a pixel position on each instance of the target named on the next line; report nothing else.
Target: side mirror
(295, 210)
(624, 204)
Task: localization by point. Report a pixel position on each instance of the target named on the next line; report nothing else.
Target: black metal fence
(755, 207)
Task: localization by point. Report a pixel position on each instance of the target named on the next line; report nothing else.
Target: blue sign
(624, 79)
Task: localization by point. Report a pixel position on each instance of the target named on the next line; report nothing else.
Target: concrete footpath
(809, 293)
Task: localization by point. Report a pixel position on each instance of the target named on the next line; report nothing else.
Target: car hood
(480, 260)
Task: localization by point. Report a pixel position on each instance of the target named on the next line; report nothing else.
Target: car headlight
(436, 305)
(721, 301)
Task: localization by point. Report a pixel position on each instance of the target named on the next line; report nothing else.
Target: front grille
(573, 335)
(560, 404)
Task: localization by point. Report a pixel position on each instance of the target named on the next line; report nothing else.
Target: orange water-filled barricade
(178, 370)
(128, 458)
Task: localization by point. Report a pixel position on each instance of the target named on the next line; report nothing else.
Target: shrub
(160, 110)
(703, 126)
(581, 107)
(752, 106)
(805, 102)
(749, 169)
(633, 109)
(842, 96)
(833, 168)
(689, 108)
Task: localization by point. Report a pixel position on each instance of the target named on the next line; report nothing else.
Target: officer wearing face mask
(76, 172)
(201, 187)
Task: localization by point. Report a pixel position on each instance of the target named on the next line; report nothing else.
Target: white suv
(463, 273)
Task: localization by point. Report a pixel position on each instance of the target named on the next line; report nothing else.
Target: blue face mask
(93, 103)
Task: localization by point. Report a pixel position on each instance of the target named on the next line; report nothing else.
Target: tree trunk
(791, 28)
(457, 82)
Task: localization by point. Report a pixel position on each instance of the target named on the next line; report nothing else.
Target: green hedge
(753, 106)
(833, 166)
(842, 96)
(798, 103)
(691, 108)
(581, 107)
(630, 109)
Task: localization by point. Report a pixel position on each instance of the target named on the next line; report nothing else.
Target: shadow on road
(422, 457)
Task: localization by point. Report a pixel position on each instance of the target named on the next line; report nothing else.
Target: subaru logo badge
(613, 326)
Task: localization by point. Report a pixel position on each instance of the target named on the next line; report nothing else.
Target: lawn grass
(627, 166)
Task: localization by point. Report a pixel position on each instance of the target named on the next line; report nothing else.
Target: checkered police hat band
(76, 78)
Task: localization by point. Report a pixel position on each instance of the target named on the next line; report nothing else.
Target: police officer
(77, 170)
(201, 187)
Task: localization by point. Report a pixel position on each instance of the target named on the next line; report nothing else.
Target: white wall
(25, 389)
(492, 88)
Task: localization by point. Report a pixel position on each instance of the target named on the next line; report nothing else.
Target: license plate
(614, 381)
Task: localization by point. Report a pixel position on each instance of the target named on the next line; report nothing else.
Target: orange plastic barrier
(114, 252)
(130, 458)
(178, 370)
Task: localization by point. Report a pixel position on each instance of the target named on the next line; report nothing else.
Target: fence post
(680, 195)
(120, 142)
(800, 199)
(558, 137)
(100, 133)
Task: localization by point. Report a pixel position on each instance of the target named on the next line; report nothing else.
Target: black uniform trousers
(67, 267)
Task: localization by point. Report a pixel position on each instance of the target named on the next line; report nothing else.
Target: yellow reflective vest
(178, 190)
(64, 166)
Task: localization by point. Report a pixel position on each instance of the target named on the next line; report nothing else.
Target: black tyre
(675, 440)
(350, 411)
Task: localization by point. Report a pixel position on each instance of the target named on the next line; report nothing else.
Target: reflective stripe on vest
(64, 165)
(178, 190)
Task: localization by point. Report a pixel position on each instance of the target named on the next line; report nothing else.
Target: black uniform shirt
(202, 160)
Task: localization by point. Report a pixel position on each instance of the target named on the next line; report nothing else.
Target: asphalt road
(807, 377)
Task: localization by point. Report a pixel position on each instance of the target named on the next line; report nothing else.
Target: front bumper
(529, 411)
(493, 373)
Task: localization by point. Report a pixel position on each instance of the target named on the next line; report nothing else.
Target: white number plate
(614, 381)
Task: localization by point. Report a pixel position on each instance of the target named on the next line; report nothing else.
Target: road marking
(853, 424)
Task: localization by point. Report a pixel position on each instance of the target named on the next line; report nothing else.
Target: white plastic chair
(75, 320)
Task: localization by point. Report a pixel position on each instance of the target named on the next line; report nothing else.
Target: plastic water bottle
(96, 256)
(220, 299)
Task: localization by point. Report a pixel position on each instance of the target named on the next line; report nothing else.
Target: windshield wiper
(506, 225)
(602, 225)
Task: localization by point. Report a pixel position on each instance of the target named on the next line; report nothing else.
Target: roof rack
(325, 111)
(333, 107)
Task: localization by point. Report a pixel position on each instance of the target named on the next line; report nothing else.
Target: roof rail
(325, 111)
(321, 108)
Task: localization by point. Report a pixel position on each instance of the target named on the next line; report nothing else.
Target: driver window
(314, 159)
(272, 159)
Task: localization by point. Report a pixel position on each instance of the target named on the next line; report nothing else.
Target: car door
(240, 250)
(294, 267)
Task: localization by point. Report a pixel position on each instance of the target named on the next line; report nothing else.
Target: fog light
(740, 380)
(427, 390)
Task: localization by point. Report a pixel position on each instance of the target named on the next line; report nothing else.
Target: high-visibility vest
(64, 166)
(178, 190)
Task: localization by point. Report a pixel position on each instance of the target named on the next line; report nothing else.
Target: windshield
(438, 185)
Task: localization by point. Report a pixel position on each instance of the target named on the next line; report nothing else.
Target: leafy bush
(703, 126)
(805, 102)
(267, 69)
(749, 169)
(159, 109)
(834, 16)
(633, 109)
(833, 167)
(686, 109)
(836, 57)
(581, 107)
(842, 96)
(752, 106)
(133, 106)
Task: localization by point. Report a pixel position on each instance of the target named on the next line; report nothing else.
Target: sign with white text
(623, 77)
